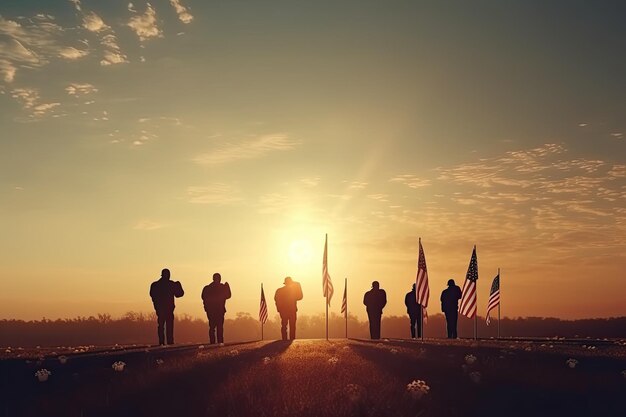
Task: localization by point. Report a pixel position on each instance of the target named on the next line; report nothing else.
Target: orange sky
(230, 137)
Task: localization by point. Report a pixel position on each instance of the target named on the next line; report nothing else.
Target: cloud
(248, 149)
(30, 43)
(30, 100)
(310, 181)
(148, 225)
(78, 89)
(215, 194)
(145, 25)
(182, 11)
(411, 181)
(7, 71)
(112, 53)
(356, 185)
(379, 197)
(72, 53)
(94, 23)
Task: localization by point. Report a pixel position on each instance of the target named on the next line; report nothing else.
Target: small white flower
(475, 377)
(528, 349)
(346, 347)
(571, 363)
(118, 366)
(470, 359)
(201, 347)
(42, 375)
(234, 352)
(394, 351)
(266, 360)
(417, 389)
(63, 359)
(8, 350)
(355, 393)
(386, 340)
(333, 360)
(160, 362)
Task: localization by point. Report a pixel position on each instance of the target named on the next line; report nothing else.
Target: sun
(300, 251)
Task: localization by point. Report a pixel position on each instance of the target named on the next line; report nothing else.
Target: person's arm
(365, 300)
(152, 291)
(299, 294)
(227, 293)
(178, 289)
(384, 300)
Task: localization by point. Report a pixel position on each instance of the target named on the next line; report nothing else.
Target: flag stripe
(344, 302)
(494, 296)
(422, 290)
(468, 305)
(327, 283)
(263, 308)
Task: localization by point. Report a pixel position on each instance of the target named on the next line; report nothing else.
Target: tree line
(140, 328)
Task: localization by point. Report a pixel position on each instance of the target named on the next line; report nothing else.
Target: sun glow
(300, 252)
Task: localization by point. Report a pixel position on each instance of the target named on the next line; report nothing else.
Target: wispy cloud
(183, 12)
(72, 53)
(216, 194)
(148, 225)
(411, 181)
(247, 149)
(30, 100)
(80, 89)
(145, 25)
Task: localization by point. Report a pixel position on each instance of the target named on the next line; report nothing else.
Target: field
(323, 378)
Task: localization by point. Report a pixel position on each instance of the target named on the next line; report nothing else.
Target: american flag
(263, 308)
(468, 297)
(326, 281)
(494, 296)
(422, 291)
(344, 302)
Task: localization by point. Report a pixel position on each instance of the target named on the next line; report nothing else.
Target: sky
(231, 136)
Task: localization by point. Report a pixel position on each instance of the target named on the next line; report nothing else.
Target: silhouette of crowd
(214, 296)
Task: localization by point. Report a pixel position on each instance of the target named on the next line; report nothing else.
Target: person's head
(451, 283)
(375, 285)
(413, 288)
(288, 281)
(165, 273)
(217, 277)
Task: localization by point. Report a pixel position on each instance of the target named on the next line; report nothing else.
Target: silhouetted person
(214, 298)
(375, 300)
(162, 293)
(450, 306)
(415, 311)
(286, 299)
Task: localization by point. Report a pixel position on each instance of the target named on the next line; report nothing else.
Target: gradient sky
(230, 136)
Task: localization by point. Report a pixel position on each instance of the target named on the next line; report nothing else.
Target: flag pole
(261, 319)
(346, 308)
(500, 300)
(422, 322)
(326, 316)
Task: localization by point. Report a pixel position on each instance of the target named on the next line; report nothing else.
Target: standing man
(286, 299)
(415, 311)
(162, 293)
(450, 306)
(375, 300)
(214, 298)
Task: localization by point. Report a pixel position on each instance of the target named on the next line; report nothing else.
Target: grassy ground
(320, 378)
